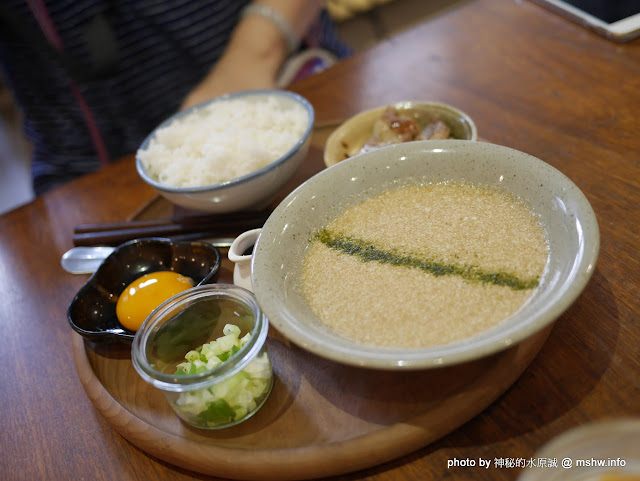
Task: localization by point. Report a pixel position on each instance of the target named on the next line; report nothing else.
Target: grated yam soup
(425, 265)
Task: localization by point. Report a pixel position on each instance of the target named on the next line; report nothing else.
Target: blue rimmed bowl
(251, 191)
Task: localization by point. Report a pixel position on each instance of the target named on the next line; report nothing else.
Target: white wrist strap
(293, 42)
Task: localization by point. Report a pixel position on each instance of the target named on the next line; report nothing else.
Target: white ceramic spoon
(86, 260)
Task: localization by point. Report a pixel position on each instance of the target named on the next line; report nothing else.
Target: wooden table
(532, 81)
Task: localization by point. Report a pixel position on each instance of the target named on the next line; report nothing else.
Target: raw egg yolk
(146, 293)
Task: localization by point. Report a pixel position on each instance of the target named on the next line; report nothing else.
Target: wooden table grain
(532, 81)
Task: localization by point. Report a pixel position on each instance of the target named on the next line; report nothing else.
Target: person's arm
(256, 51)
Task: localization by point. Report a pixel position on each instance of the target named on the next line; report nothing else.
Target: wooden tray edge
(294, 463)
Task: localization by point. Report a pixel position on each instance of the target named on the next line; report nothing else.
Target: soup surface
(425, 264)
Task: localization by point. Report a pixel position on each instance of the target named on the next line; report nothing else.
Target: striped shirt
(164, 49)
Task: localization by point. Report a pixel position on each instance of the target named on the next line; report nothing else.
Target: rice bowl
(230, 153)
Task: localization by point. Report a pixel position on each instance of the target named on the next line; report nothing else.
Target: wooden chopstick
(219, 219)
(115, 233)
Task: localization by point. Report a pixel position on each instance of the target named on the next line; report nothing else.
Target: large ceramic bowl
(563, 210)
(347, 140)
(253, 190)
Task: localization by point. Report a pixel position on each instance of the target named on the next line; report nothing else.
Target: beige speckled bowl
(348, 138)
(564, 211)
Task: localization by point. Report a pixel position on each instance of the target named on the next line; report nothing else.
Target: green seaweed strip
(367, 252)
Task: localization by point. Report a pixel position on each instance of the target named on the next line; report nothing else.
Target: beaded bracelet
(293, 41)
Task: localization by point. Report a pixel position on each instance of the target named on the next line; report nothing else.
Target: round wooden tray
(321, 419)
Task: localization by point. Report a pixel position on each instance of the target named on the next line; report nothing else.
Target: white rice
(223, 140)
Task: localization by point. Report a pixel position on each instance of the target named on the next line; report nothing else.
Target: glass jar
(212, 374)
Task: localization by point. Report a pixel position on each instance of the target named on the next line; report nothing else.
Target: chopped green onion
(231, 399)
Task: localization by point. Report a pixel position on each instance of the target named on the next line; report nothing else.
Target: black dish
(92, 312)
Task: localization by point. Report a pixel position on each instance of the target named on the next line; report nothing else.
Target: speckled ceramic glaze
(251, 191)
(564, 211)
(92, 312)
(355, 131)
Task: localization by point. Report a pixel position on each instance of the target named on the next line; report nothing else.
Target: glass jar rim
(190, 382)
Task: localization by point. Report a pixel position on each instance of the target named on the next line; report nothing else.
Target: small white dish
(350, 136)
(605, 450)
